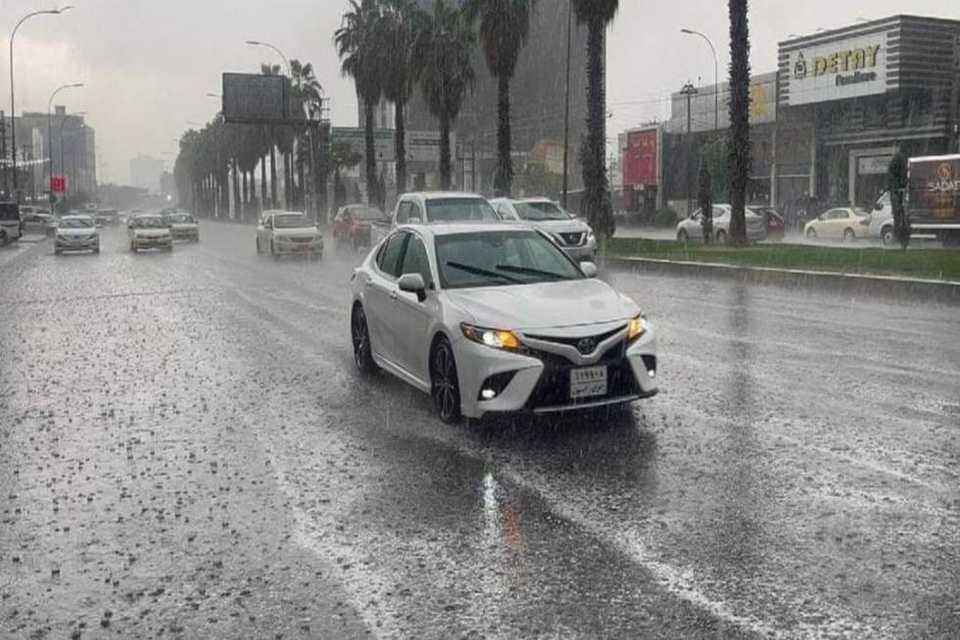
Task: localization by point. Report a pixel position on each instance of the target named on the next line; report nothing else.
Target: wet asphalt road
(186, 450)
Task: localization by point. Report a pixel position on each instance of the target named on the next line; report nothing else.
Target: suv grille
(572, 239)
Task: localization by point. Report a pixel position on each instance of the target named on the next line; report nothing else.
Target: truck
(932, 201)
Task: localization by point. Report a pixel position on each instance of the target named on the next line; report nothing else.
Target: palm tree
(504, 30)
(443, 50)
(307, 94)
(272, 135)
(596, 14)
(360, 54)
(398, 29)
(739, 153)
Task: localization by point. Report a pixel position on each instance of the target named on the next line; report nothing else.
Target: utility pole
(689, 91)
(3, 150)
(566, 109)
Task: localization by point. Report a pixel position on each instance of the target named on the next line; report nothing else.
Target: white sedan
(492, 318)
(76, 233)
(288, 233)
(149, 231)
(574, 236)
(843, 223)
(692, 228)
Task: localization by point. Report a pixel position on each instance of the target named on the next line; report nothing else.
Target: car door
(380, 293)
(411, 318)
(694, 225)
(721, 220)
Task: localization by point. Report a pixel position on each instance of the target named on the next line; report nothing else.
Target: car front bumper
(541, 381)
(69, 244)
(288, 247)
(153, 243)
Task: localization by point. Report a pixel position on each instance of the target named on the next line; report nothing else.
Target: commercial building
(825, 124)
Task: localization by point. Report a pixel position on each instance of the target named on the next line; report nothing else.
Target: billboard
(935, 189)
(353, 136)
(251, 98)
(836, 70)
(641, 158)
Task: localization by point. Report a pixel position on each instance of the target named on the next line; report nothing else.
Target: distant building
(145, 172)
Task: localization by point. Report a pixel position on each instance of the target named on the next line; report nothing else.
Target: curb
(880, 286)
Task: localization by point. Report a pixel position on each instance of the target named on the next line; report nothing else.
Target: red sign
(58, 184)
(640, 159)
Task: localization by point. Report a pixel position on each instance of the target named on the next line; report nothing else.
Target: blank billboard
(253, 98)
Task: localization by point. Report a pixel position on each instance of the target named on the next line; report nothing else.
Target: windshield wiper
(477, 271)
(531, 272)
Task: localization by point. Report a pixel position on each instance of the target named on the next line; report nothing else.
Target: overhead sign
(58, 184)
(354, 136)
(837, 70)
(641, 158)
(251, 98)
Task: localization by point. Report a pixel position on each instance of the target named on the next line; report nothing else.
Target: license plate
(588, 382)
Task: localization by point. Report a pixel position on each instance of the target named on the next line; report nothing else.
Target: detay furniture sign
(837, 69)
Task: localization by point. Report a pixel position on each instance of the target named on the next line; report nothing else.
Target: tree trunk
(301, 185)
(739, 158)
(596, 204)
(371, 152)
(288, 189)
(237, 200)
(445, 152)
(263, 184)
(273, 176)
(244, 196)
(503, 179)
(400, 147)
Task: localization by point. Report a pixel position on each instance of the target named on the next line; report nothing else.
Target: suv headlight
(638, 327)
(495, 338)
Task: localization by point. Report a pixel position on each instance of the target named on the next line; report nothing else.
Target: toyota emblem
(586, 346)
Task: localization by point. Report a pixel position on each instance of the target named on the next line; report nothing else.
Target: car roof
(439, 195)
(77, 216)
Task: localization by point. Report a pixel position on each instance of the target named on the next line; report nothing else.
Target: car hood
(559, 226)
(184, 226)
(544, 305)
(302, 232)
(76, 233)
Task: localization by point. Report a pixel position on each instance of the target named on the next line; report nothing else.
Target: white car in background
(574, 236)
(491, 318)
(691, 228)
(183, 226)
(76, 233)
(149, 231)
(288, 233)
(840, 223)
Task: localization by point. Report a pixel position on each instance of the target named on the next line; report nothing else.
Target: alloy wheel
(445, 385)
(362, 355)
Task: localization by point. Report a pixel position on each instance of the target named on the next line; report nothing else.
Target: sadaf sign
(58, 184)
(641, 165)
(935, 187)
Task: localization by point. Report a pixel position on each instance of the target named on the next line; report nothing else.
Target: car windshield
(460, 210)
(181, 218)
(291, 221)
(76, 223)
(538, 211)
(148, 222)
(500, 258)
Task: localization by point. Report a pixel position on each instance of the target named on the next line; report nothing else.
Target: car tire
(444, 382)
(360, 337)
(682, 235)
(259, 250)
(811, 234)
(886, 236)
(133, 247)
(849, 235)
(96, 250)
(57, 252)
(721, 237)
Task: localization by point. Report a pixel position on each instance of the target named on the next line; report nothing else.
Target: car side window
(718, 212)
(390, 258)
(415, 212)
(403, 212)
(415, 260)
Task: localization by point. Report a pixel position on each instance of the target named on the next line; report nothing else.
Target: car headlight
(495, 338)
(638, 327)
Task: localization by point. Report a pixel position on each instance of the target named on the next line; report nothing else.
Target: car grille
(553, 388)
(302, 239)
(572, 239)
(575, 342)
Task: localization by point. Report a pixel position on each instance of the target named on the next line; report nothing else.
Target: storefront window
(875, 112)
(919, 109)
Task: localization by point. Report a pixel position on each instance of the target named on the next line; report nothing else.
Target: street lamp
(49, 127)
(257, 43)
(13, 104)
(716, 76)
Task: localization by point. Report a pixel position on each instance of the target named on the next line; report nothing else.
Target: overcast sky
(147, 64)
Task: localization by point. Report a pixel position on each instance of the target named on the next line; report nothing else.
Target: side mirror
(589, 269)
(878, 207)
(413, 283)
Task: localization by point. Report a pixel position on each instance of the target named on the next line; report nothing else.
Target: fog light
(488, 394)
(652, 373)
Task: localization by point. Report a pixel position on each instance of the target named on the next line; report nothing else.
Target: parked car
(776, 227)
(183, 226)
(840, 223)
(353, 225)
(77, 233)
(149, 231)
(691, 228)
(572, 234)
(288, 233)
(439, 206)
(35, 221)
(491, 318)
(11, 226)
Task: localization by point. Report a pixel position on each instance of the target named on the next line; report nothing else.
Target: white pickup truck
(438, 206)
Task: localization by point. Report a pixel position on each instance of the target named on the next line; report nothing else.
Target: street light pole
(49, 127)
(566, 108)
(286, 62)
(13, 104)
(716, 76)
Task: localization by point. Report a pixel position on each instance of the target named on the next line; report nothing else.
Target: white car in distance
(76, 233)
(491, 318)
(149, 231)
(692, 228)
(841, 223)
(288, 233)
(183, 226)
(574, 236)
